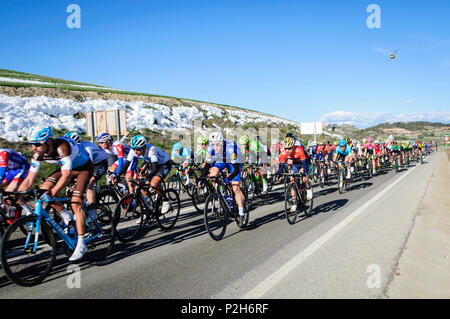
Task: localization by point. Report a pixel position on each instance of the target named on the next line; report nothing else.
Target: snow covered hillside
(18, 115)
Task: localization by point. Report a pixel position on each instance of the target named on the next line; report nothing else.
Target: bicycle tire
(168, 220)
(199, 197)
(291, 216)
(174, 183)
(215, 217)
(341, 185)
(127, 218)
(100, 248)
(307, 204)
(246, 212)
(109, 199)
(13, 244)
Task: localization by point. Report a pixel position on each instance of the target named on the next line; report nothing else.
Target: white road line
(284, 270)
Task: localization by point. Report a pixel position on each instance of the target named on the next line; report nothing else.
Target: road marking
(284, 270)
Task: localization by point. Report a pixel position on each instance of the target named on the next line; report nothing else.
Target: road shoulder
(423, 268)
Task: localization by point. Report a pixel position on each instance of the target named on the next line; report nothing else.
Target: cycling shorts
(82, 173)
(222, 166)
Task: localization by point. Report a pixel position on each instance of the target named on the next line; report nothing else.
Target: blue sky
(300, 60)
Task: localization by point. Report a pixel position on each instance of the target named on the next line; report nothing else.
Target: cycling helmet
(369, 139)
(104, 137)
(342, 142)
(202, 139)
(290, 135)
(177, 146)
(288, 142)
(73, 136)
(40, 134)
(377, 142)
(138, 142)
(216, 137)
(244, 140)
(258, 138)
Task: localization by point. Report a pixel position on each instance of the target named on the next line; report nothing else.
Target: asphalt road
(348, 248)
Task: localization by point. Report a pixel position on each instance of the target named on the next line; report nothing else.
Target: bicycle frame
(42, 214)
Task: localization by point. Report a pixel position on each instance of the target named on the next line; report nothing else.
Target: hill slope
(27, 100)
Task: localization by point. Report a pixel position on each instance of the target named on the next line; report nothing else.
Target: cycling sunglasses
(37, 144)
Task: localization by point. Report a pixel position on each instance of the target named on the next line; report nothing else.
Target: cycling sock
(81, 242)
(241, 211)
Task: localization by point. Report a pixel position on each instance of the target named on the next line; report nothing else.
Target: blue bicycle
(29, 247)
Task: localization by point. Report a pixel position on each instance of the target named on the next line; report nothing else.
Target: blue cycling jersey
(186, 155)
(347, 151)
(231, 154)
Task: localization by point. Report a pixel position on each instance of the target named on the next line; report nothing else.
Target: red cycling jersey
(298, 156)
(325, 149)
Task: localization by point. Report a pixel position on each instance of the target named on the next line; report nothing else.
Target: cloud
(408, 101)
(382, 51)
(364, 120)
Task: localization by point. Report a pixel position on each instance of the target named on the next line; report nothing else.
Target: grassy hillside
(420, 130)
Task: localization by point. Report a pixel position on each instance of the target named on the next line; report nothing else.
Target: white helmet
(216, 137)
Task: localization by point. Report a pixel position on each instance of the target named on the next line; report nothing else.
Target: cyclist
(75, 162)
(369, 149)
(184, 157)
(395, 150)
(201, 153)
(379, 150)
(323, 154)
(221, 154)
(117, 153)
(99, 159)
(14, 168)
(259, 156)
(299, 160)
(343, 152)
(158, 165)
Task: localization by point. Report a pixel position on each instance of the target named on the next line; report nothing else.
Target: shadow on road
(330, 206)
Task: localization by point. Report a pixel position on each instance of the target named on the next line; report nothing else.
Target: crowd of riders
(84, 163)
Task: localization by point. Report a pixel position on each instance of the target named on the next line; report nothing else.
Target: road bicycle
(295, 199)
(343, 181)
(133, 211)
(221, 208)
(178, 181)
(28, 257)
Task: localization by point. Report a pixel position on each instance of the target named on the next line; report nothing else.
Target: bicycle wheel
(199, 197)
(174, 183)
(246, 212)
(215, 217)
(109, 199)
(127, 218)
(291, 203)
(21, 264)
(307, 204)
(100, 235)
(167, 221)
(341, 185)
